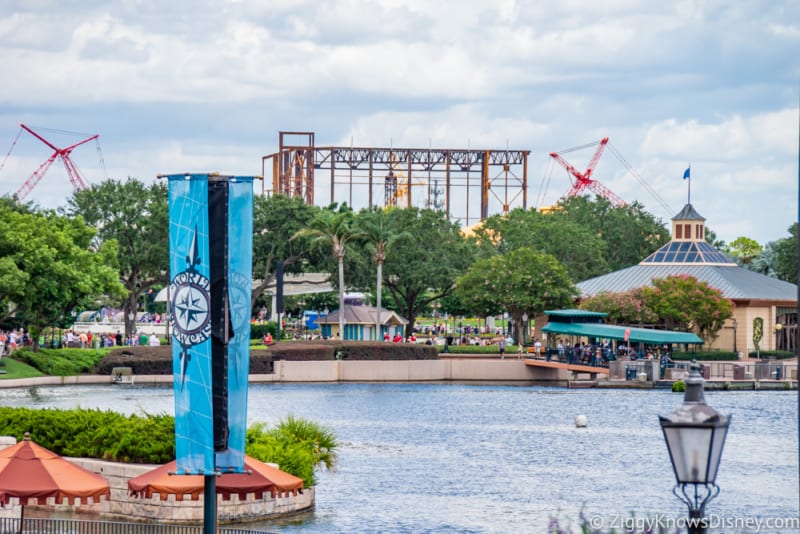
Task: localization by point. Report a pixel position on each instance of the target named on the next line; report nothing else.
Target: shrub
(708, 356)
(296, 445)
(61, 362)
(678, 386)
(259, 330)
(766, 354)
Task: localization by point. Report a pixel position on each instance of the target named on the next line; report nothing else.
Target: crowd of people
(12, 340)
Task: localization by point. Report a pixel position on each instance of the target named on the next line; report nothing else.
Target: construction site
(468, 184)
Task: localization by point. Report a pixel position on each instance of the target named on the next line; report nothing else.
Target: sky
(198, 86)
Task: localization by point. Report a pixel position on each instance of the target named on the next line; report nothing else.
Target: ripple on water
(464, 458)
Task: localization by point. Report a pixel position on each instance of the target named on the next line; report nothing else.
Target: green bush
(707, 356)
(158, 361)
(478, 349)
(259, 330)
(61, 362)
(296, 445)
(766, 354)
(678, 386)
(94, 433)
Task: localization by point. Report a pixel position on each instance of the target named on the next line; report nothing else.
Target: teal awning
(608, 331)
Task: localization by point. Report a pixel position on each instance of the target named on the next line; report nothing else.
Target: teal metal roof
(608, 331)
(575, 313)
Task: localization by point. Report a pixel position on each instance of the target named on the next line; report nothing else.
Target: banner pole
(210, 504)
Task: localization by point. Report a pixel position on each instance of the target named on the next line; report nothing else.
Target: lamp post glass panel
(695, 434)
(524, 328)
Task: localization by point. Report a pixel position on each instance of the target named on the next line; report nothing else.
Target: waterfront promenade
(482, 369)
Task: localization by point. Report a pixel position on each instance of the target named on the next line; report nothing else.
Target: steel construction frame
(498, 177)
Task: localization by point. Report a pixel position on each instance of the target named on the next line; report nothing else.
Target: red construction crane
(74, 174)
(583, 180)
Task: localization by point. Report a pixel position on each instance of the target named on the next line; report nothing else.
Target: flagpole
(687, 175)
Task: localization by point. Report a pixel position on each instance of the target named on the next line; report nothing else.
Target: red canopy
(263, 478)
(29, 471)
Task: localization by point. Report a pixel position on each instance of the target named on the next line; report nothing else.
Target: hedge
(707, 356)
(158, 361)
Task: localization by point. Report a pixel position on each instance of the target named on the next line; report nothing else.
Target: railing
(38, 525)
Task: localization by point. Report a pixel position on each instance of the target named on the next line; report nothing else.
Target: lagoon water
(488, 458)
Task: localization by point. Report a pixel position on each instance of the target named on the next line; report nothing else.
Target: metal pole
(210, 504)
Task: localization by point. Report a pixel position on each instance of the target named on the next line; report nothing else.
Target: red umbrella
(263, 478)
(29, 471)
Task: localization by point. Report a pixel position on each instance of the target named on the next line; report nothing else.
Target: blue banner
(190, 312)
(240, 289)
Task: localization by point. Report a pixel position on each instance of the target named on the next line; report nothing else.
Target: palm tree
(378, 231)
(333, 228)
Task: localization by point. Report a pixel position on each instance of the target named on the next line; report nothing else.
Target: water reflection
(462, 458)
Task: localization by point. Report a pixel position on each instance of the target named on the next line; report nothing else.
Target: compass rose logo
(190, 306)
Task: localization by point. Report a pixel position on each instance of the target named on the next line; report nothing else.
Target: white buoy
(581, 421)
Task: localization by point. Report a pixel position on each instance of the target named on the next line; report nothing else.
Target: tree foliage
(275, 220)
(135, 216)
(50, 266)
(629, 307)
(334, 230)
(580, 250)
(684, 303)
(424, 263)
(524, 281)
(744, 249)
(786, 256)
(629, 232)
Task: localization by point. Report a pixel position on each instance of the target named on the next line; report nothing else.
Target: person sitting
(267, 339)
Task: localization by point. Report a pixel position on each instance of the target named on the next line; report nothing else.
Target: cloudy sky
(206, 86)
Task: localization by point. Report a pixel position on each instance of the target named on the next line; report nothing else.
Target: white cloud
(206, 86)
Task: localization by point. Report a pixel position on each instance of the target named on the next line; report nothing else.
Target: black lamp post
(695, 434)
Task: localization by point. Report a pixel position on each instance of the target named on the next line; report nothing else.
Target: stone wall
(122, 506)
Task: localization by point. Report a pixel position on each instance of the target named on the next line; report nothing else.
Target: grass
(15, 369)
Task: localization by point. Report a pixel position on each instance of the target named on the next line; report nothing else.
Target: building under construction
(468, 184)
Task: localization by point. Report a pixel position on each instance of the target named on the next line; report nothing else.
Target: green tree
(524, 281)
(684, 303)
(135, 216)
(50, 266)
(334, 229)
(629, 232)
(766, 262)
(786, 256)
(425, 262)
(744, 249)
(578, 248)
(628, 307)
(375, 226)
(275, 220)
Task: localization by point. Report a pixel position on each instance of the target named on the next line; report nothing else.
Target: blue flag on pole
(240, 288)
(686, 172)
(190, 310)
(211, 250)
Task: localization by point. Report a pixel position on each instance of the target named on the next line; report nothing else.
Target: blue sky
(206, 86)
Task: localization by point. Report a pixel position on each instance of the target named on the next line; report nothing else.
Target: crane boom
(63, 153)
(583, 180)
